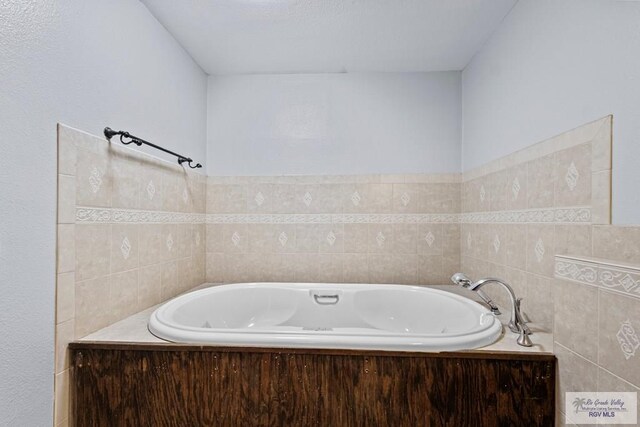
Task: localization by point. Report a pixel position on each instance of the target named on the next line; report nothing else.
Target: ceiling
(327, 36)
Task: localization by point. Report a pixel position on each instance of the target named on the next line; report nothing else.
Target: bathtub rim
(167, 306)
(309, 339)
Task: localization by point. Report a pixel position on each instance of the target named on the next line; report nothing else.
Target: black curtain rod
(110, 133)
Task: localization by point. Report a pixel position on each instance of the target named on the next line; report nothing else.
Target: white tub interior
(385, 317)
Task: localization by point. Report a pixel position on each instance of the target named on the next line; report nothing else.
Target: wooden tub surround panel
(171, 385)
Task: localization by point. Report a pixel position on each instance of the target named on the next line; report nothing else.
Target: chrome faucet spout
(465, 282)
(513, 321)
(516, 322)
(494, 308)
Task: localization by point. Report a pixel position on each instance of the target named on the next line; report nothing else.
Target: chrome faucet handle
(522, 319)
(524, 316)
(523, 330)
(523, 337)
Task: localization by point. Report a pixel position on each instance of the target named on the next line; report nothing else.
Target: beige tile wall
(375, 229)
(597, 316)
(131, 234)
(522, 210)
(540, 219)
(509, 218)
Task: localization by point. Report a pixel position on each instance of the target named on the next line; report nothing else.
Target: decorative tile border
(623, 279)
(332, 218)
(581, 215)
(550, 215)
(628, 339)
(85, 215)
(88, 215)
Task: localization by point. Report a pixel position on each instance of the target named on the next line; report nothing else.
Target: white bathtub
(343, 316)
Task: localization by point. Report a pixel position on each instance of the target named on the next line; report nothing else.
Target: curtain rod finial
(109, 133)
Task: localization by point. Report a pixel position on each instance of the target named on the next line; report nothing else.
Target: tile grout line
(576, 353)
(598, 329)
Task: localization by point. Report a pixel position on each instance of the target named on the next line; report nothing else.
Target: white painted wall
(334, 123)
(86, 63)
(324, 36)
(551, 66)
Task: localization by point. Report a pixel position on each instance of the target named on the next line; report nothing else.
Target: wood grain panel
(210, 386)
